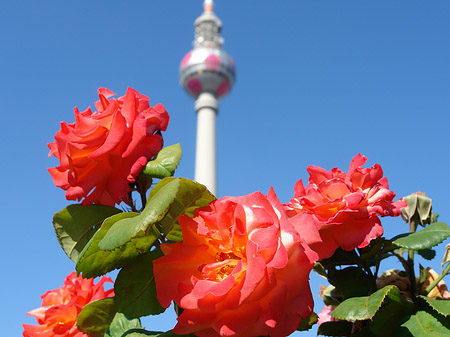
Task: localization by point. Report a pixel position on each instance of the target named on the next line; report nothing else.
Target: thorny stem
(377, 266)
(403, 262)
(411, 274)
(437, 280)
(143, 199)
(130, 202)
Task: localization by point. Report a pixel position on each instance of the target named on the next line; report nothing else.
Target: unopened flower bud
(418, 209)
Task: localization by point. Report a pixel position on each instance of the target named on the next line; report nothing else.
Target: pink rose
(325, 315)
(60, 307)
(241, 270)
(103, 152)
(338, 209)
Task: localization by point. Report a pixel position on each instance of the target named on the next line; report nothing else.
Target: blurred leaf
(422, 324)
(428, 237)
(94, 261)
(352, 282)
(337, 328)
(441, 306)
(121, 324)
(362, 308)
(135, 288)
(190, 196)
(75, 225)
(157, 206)
(95, 317)
(307, 323)
(165, 163)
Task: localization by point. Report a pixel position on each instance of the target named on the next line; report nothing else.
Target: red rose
(102, 152)
(338, 209)
(241, 270)
(60, 307)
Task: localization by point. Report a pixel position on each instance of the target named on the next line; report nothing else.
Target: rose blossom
(241, 270)
(325, 315)
(60, 307)
(338, 209)
(102, 152)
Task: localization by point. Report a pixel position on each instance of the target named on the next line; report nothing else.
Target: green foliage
(422, 324)
(145, 333)
(135, 288)
(165, 163)
(190, 195)
(95, 317)
(121, 324)
(390, 314)
(94, 261)
(362, 308)
(338, 328)
(440, 306)
(75, 225)
(352, 282)
(157, 206)
(428, 237)
(307, 323)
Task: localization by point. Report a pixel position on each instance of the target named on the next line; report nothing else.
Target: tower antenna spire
(208, 5)
(207, 74)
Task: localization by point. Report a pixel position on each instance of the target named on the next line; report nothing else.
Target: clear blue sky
(317, 82)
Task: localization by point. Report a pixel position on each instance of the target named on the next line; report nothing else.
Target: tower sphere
(207, 69)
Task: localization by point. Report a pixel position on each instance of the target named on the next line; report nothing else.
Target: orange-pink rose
(60, 307)
(103, 152)
(241, 270)
(338, 209)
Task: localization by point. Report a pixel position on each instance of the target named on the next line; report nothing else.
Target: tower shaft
(206, 107)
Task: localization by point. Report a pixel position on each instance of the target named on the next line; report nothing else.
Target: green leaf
(441, 306)
(145, 333)
(75, 225)
(338, 328)
(307, 323)
(157, 207)
(428, 237)
(94, 261)
(352, 282)
(121, 324)
(341, 257)
(135, 289)
(165, 163)
(95, 317)
(190, 196)
(362, 308)
(427, 254)
(391, 313)
(422, 324)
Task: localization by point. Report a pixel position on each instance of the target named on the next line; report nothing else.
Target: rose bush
(241, 270)
(103, 152)
(338, 209)
(60, 307)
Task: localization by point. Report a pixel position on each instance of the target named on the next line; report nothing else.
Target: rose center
(220, 269)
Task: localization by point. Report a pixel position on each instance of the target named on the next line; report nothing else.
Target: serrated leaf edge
(386, 289)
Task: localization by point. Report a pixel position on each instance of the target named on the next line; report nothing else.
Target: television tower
(207, 73)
